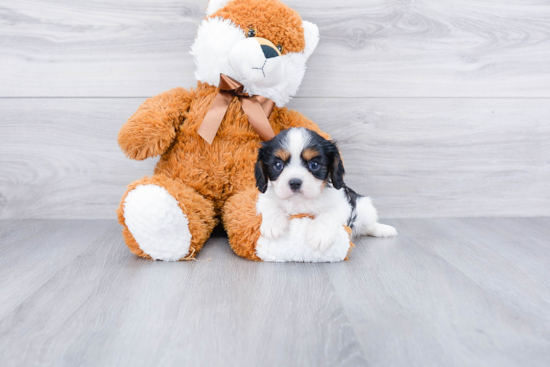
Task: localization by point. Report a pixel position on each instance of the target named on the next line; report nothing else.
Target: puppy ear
(261, 176)
(260, 172)
(336, 170)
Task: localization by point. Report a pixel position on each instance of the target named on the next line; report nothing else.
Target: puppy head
(299, 162)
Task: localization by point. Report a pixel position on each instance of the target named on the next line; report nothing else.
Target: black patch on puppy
(331, 166)
(337, 171)
(260, 173)
(264, 169)
(353, 197)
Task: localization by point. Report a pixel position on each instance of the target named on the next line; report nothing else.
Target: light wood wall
(441, 108)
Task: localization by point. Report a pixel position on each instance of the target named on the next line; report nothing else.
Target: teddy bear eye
(280, 48)
(251, 33)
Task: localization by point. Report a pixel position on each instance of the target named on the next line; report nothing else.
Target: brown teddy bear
(250, 57)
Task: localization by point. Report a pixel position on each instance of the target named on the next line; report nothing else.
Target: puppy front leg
(274, 219)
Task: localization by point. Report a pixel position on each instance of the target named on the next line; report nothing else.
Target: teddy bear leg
(242, 223)
(165, 219)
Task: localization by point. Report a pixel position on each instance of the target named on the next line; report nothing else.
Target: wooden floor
(446, 292)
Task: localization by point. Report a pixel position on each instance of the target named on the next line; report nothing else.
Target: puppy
(300, 172)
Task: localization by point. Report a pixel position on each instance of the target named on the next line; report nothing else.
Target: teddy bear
(250, 59)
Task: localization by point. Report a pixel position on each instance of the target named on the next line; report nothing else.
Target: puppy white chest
(293, 244)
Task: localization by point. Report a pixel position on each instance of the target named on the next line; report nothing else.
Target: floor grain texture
(452, 292)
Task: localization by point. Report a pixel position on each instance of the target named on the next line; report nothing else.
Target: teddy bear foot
(164, 219)
(157, 223)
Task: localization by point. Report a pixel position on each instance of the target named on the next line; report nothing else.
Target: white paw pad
(157, 223)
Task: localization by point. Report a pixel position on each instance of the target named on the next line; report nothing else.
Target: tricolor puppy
(300, 172)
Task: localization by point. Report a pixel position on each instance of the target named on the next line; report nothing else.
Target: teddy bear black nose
(269, 52)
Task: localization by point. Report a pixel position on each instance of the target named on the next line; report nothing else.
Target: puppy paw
(381, 230)
(275, 227)
(320, 236)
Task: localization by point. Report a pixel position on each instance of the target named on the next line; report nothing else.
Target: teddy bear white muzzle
(257, 61)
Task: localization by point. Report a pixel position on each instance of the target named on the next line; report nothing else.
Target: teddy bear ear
(215, 5)
(311, 34)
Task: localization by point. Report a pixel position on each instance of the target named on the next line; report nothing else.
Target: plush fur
(222, 46)
(200, 177)
(208, 182)
(198, 211)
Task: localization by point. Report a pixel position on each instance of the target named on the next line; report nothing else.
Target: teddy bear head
(263, 44)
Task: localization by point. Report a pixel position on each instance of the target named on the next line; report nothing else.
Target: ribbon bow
(257, 109)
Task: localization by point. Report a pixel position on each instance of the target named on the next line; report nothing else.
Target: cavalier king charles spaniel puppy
(300, 172)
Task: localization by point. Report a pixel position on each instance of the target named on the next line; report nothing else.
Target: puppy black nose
(269, 52)
(295, 184)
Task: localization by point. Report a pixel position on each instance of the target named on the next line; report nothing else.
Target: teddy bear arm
(290, 118)
(152, 128)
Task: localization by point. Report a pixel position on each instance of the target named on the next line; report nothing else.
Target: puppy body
(299, 172)
(331, 211)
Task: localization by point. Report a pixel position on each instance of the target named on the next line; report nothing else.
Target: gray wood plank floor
(446, 292)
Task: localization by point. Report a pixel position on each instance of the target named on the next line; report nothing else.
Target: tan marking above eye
(283, 154)
(310, 153)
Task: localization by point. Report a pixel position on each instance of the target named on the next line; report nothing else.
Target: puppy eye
(280, 48)
(278, 166)
(251, 33)
(313, 166)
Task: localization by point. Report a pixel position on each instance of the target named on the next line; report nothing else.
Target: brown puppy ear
(336, 169)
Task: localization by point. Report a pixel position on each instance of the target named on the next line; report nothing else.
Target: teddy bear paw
(158, 224)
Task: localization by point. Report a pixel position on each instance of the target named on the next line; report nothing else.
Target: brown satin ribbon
(257, 109)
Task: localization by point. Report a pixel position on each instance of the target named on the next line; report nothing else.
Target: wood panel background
(440, 108)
